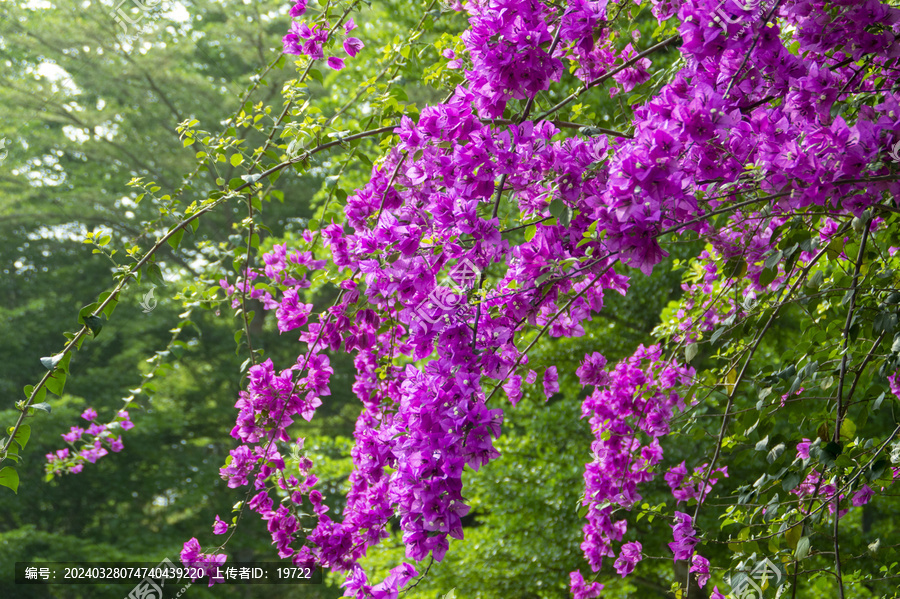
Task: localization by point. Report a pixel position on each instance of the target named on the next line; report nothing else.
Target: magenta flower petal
(298, 9)
(551, 382)
(353, 45)
(220, 527)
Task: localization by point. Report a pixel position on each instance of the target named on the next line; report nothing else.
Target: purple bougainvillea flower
(126, 423)
(863, 496)
(73, 435)
(629, 556)
(299, 8)
(700, 566)
(803, 449)
(580, 590)
(352, 46)
(335, 63)
(685, 537)
(551, 382)
(190, 552)
(220, 527)
(95, 429)
(291, 45)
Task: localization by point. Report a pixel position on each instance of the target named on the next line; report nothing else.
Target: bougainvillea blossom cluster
(96, 441)
(434, 202)
(310, 39)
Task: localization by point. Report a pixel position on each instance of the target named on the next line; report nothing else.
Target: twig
(603, 78)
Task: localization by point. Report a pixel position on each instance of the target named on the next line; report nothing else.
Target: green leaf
(582, 511)
(64, 365)
(790, 482)
(530, 232)
(175, 239)
(56, 383)
(557, 207)
(767, 276)
(236, 159)
(51, 362)
(885, 323)
(716, 334)
(94, 324)
(895, 346)
(802, 549)
(848, 429)
(775, 453)
(155, 274)
(43, 406)
(815, 281)
(730, 381)
(690, 352)
(39, 396)
(108, 310)
(877, 469)
(772, 261)
(834, 248)
(22, 435)
(830, 452)
(87, 311)
(793, 535)
(9, 478)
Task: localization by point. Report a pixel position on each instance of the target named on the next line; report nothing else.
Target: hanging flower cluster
(635, 399)
(432, 205)
(310, 40)
(88, 445)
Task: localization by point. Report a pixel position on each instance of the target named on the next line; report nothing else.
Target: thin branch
(113, 296)
(840, 404)
(603, 78)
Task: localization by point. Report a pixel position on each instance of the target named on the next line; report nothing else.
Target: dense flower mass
(486, 227)
(636, 401)
(424, 206)
(763, 136)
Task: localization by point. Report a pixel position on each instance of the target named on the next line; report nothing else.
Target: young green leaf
(51, 362)
(9, 478)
